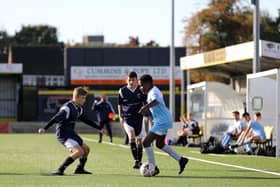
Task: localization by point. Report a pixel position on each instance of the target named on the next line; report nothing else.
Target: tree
(5, 41)
(151, 43)
(39, 35)
(269, 29)
(224, 23)
(133, 42)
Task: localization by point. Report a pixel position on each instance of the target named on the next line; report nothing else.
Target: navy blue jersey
(103, 109)
(65, 120)
(131, 102)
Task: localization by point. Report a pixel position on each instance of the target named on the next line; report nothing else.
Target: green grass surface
(27, 159)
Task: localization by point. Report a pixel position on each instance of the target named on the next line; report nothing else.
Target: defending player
(65, 120)
(131, 99)
(162, 122)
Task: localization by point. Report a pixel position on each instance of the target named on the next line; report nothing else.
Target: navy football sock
(133, 150)
(69, 160)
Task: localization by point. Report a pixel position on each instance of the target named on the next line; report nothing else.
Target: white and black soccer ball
(147, 169)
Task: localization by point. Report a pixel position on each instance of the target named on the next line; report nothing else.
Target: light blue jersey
(258, 129)
(161, 116)
(237, 125)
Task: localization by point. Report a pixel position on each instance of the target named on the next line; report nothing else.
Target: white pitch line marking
(197, 159)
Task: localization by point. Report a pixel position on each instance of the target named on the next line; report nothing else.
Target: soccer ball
(147, 169)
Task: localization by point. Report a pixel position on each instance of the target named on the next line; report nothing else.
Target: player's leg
(76, 152)
(100, 133)
(82, 161)
(148, 148)
(126, 139)
(252, 136)
(226, 140)
(109, 130)
(147, 143)
(160, 134)
(139, 148)
(247, 144)
(132, 141)
(166, 148)
(137, 152)
(239, 141)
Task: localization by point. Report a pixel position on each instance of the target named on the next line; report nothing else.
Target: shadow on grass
(34, 174)
(13, 174)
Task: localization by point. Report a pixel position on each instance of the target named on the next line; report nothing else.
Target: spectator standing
(105, 113)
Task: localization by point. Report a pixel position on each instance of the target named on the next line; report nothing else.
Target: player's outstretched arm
(60, 116)
(146, 107)
(93, 124)
(89, 122)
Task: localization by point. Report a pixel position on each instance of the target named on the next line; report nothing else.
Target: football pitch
(26, 160)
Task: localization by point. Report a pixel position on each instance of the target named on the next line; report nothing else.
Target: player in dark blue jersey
(131, 99)
(65, 119)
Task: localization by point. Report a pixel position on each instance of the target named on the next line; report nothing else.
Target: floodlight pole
(256, 33)
(171, 67)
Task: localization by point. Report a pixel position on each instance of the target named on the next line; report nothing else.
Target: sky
(115, 19)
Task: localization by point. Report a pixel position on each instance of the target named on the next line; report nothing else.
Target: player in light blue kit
(254, 132)
(162, 121)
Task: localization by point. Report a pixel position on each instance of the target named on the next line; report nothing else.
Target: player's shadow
(13, 174)
(18, 174)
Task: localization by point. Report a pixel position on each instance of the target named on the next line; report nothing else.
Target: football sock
(69, 160)
(133, 150)
(139, 152)
(171, 152)
(82, 163)
(150, 155)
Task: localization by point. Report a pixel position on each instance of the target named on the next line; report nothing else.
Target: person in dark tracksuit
(105, 112)
(65, 119)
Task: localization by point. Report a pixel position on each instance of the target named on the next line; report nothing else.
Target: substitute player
(254, 132)
(235, 130)
(131, 99)
(65, 120)
(162, 122)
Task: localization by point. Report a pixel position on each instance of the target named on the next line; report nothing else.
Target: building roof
(234, 60)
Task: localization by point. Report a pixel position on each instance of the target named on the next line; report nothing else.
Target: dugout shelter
(10, 76)
(233, 63)
(263, 95)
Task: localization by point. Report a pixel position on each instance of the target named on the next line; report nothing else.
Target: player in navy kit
(131, 99)
(65, 120)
